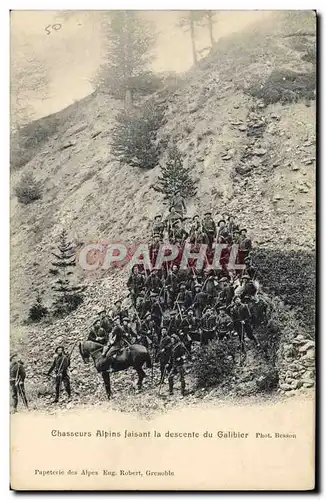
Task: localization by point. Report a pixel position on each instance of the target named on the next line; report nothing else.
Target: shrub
(290, 276)
(285, 86)
(37, 311)
(214, 363)
(134, 136)
(28, 189)
(175, 177)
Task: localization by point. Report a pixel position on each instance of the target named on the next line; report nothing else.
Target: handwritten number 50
(55, 27)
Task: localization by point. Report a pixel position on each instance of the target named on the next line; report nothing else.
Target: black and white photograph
(162, 228)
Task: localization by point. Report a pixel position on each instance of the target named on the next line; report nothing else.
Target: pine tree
(134, 136)
(129, 44)
(187, 22)
(69, 296)
(175, 177)
(37, 311)
(195, 18)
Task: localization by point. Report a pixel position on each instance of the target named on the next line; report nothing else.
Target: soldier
(128, 333)
(176, 363)
(158, 227)
(209, 326)
(209, 228)
(249, 288)
(241, 320)
(17, 381)
(118, 311)
(209, 285)
(191, 324)
(153, 282)
(236, 237)
(245, 242)
(184, 296)
(232, 225)
(97, 333)
(60, 365)
(105, 322)
(177, 201)
(195, 230)
(164, 352)
(177, 233)
(224, 323)
(222, 231)
(200, 301)
(156, 310)
(171, 218)
(117, 341)
(135, 284)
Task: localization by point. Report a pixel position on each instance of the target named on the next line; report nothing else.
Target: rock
(299, 339)
(236, 106)
(309, 161)
(295, 168)
(309, 345)
(259, 151)
(308, 384)
(289, 393)
(243, 128)
(68, 145)
(277, 197)
(285, 387)
(226, 157)
(296, 384)
(255, 162)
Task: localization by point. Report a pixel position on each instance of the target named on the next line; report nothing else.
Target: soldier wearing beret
(17, 381)
(60, 366)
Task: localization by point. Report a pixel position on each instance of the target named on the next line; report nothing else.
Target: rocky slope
(252, 159)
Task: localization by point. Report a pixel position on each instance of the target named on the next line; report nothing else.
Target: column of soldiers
(172, 309)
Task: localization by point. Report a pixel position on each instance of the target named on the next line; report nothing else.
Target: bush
(37, 311)
(134, 136)
(214, 363)
(175, 176)
(290, 276)
(28, 189)
(285, 86)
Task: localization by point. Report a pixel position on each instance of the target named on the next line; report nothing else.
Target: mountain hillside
(245, 119)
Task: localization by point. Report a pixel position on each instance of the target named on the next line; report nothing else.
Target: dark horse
(134, 355)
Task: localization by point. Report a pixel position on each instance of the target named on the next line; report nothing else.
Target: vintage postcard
(163, 259)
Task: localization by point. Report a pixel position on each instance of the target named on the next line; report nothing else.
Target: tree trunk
(210, 28)
(192, 35)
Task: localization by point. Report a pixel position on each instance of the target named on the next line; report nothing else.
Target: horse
(133, 356)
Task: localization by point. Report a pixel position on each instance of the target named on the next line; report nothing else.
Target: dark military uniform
(178, 203)
(224, 325)
(61, 365)
(209, 228)
(164, 353)
(98, 334)
(176, 364)
(158, 228)
(121, 313)
(209, 326)
(135, 284)
(241, 319)
(195, 231)
(17, 380)
(199, 303)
